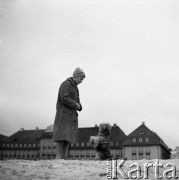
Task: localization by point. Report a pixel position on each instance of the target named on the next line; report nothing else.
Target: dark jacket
(66, 119)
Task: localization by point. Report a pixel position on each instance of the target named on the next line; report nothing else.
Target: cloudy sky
(128, 49)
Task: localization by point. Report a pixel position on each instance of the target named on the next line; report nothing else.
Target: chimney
(22, 129)
(36, 128)
(143, 122)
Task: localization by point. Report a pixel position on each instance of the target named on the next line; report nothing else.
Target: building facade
(143, 143)
(82, 149)
(24, 144)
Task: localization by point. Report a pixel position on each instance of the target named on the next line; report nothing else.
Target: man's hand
(78, 107)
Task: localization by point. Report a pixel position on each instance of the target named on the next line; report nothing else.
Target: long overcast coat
(66, 119)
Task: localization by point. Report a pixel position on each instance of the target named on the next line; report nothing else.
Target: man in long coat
(66, 120)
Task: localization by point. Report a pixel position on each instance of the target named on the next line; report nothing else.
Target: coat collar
(72, 82)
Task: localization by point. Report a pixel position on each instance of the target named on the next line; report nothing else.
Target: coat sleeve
(65, 95)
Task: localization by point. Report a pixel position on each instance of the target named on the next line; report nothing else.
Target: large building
(142, 143)
(38, 144)
(82, 149)
(23, 144)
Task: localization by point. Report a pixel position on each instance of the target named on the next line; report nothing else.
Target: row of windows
(147, 152)
(19, 156)
(88, 144)
(49, 144)
(50, 155)
(21, 145)
(19, 153)
(45, 151)
(78, 154)
(49, 150)
(89, 155)
(134, 140)
(52, 145)
(141, 156)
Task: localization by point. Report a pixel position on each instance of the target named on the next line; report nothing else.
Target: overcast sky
(129, 51)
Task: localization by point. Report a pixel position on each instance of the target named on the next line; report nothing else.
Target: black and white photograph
(89, 89)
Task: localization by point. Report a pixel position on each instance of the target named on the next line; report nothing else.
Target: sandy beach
(68, 169)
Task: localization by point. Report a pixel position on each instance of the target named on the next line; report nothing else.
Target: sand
(68, 169)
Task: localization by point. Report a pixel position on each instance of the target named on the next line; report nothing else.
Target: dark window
(140, 139)
(146, 139)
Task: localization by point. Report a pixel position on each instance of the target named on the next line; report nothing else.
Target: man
(66, 120)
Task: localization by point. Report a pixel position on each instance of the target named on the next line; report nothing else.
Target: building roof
(3, 137)
(84, 133)
(25, 136)
(143, 132)
(116, 133)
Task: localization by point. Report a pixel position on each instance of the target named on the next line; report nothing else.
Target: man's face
(79, 79)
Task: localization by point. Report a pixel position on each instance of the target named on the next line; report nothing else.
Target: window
(54, 151)
(117, 155)
(25, 145)
(93, 155)
(82, 144)
(34, 145)
(16, 145)
(7, 145)
(134, 154)
(140, 153)
(82, 153)
(29, 145)
(148, 153)
(111, 143)
(148, 150)
(87, 154)
(88, 144)
(20, 145)
(140, 150)
(12, 145)
(77, 144)
(76, 154)
(71, 144)
(49, 151)
(44, 144)
(49, 145)
(146, 139)
(133, 151)
(71, 154)
(54, 145)
(140, 139)
(117, 143)
(134, 140)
